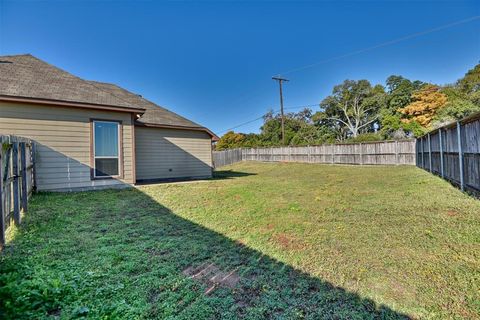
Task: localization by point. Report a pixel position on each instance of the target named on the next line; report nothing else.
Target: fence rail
(370, 153)
(17, 180)
(453, 152)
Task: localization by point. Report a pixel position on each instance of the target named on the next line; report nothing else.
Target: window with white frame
(106, 149)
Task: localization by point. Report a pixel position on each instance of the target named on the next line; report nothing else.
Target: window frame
(92, 149)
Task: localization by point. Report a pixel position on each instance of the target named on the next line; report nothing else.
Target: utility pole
(280, 80)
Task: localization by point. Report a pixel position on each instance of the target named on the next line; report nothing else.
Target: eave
(166, 126)
(62, 103)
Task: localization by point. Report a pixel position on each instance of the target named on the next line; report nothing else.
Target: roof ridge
(74, 76)
(16, 55)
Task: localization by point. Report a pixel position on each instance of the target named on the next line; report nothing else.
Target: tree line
(358, 111)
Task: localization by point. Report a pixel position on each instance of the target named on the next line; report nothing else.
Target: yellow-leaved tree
(425, 103)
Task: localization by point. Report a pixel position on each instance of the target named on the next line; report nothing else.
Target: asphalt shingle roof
(154, 114)
(29, 77)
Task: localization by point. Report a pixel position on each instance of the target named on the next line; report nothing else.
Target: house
(92, 135)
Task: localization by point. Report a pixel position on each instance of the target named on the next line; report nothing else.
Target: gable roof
(26, 77)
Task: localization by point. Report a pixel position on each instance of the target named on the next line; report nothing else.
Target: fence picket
(15, 180)
(23, 173)
(440, 142)
(16, 195)
(2, 206)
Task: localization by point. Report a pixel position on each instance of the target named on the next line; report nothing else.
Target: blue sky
(213, 61)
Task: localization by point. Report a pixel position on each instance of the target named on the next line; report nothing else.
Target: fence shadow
(176, 267)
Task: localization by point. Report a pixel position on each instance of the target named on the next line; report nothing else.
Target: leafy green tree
(399, 92)
(458, 106)
(271, 132)
(470, 84)
(230, 140)
(398, 96)
(394, 128)
(352, 108)
(251, 140)
(366, 137)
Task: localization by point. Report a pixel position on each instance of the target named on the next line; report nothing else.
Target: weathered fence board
(370, 153)
(17, 182)
(223, 158)
(455, 153)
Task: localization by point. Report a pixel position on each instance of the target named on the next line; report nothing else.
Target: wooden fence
(226, 157)
(17, 180)
(453, 152)
(370, 153)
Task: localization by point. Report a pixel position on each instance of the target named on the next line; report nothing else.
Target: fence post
(16, 195)
(23, 172)
(423, 156)
(333, 153)
(460, 154)
(34, 166)
(361, 153)
(2, 212)
(396, 152)
(429, 153)
(441, 152)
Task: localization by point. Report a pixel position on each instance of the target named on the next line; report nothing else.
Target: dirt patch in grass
(452, 213)
(288, 242)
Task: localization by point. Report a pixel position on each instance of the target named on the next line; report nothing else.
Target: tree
(458, 106)
(271, 130)
(470, 85)
(351, 106)
(425, 104)
(463, 98)
(398, 96)
(400, 90)
(230, 140)
(251, 140)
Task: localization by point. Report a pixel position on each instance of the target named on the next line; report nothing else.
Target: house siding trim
(62, 103)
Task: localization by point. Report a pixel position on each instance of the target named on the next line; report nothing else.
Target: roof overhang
(62, 103)
(166, 126)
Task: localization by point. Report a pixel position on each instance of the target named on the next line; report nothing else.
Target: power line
(384, 44)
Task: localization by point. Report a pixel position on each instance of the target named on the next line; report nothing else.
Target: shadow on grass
(230, 174)
(121, 254)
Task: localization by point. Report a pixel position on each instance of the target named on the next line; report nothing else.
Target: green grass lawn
(287, 241)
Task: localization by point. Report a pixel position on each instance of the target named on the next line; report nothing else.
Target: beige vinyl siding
(62, 135)
(171, 153)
